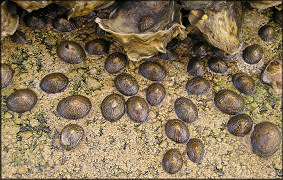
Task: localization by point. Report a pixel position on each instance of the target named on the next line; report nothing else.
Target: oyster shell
(83, 7)
(264, 4)
(221, 25)
(197, 4)
(32, 5)
(272, 75)
(9, 19)
(144, 27)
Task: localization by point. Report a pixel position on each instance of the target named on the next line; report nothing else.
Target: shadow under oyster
(147, 32)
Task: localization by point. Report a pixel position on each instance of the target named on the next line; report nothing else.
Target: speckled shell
(62, 24)
(21, 100)
(115, 63)
(54, 83)
(196, 67)
(35, 20)
(71, 52)
(243, 83)
(137, 109)
(155, 94)
(7, 74)
(186, 110)
(74, 107)
(229, 102)
(152, 71)
(195, 150)
(252, 54)
(71, 136)
(240, 125)
(267, 33)
(177, 131)
(197, 85)
(97, 47)
(217, 65)
(113, 107)
(172, 161)
(126, 84)
(266, 139)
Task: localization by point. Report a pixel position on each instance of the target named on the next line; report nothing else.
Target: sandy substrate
(30, 145)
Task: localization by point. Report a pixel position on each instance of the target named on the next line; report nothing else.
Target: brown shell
(266, 139)
(115, 63)
(35, 20)
(21, 100)
(186, 110)
(146, 23)
(137, 109)
(267, 33)
(196, 67)
(7, 74)
(252, 54)
(74, 107)
(62, 24)
(240, 125)
(113, 107)
(18, 37)
(243, 83)
(177, 131)
(97, 47)
(54, 83)
(126, 84)
(195, 150)
(229, 102)
(197, 85)
(172, 161)
(71, 52)
(71, 136)
(155, 94)
(152, 71)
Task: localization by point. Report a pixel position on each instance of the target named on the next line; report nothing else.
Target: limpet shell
(126, 84)
(152, 71)
(243, 83)
(115, 63)
(195, 150)
(177, 131)
(240, 125)
(229, 102)
(137, 109)
(74, 107)
(197, 85)
(172, 161)
(113, 107)
(71, 136)
(155, 94)
(186, 110)
(71, 52)
(21, 100)
(7, 74)
(54, 83)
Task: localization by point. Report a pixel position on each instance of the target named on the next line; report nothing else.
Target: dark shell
(218, 53)
(186, 110)
(217, 65)
(74, 107)
(97, 47)
(172, 44)
(35, 20)
(137, 109)
(278, 17)
(155, 94)
(7, 74)
(196, 67)
(197, 85)
(266, 139)
(152, 71)
(126, 84)
(21, 100)
(71, 52)
(252, 54)
(146, 23)
(195, 150)
(240, 125)
(113, 107)
(201, 49)
(115, 63)
(229, 102)
(170, 55)
(62, 24)
(18, 37)
(177, 131)
(243, 83)
(267, 33)
(54, 83)
(172, 161)
(71, 136)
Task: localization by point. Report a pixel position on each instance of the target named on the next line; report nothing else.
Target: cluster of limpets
(265, 136)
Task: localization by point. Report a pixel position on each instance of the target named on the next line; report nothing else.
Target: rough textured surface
(30, 145)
